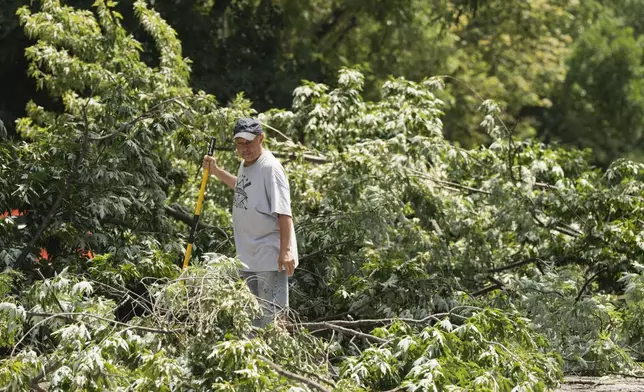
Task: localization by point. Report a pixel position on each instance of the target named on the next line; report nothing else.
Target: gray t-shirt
(261, 193)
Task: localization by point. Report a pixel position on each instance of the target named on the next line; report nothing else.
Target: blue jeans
(271, 290)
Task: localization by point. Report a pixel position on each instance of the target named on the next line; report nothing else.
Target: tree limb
(385, 321)
(565, 231)
(449, 183)
(332, 326)
(310, 383)
(307, 157)
(188, 220)
(486, 290)
(513, 265)
(588, 282)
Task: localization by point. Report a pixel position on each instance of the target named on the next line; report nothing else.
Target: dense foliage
(566, 70)
(424, 265)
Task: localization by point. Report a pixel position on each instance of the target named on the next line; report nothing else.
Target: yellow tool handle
(195, 220)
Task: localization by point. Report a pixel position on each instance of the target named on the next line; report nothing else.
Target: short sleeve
(278, 192)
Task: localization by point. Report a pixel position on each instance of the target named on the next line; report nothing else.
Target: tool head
(211, 148)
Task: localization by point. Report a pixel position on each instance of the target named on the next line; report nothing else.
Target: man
(262, 218)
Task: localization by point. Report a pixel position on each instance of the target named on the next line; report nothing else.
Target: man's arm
(285, 260)
(221, 174)
(225, 177)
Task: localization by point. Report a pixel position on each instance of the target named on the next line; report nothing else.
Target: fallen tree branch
(486, 290)
(560, 227)
(588, 282)
(319, 377)
(570, 228)
(449, 183)
(385, 321)
(188, 220)
(310, 383)
(307, 157)
(185, 218)
(496, 284)
(332, 326)
(513, 265)
(565, 231)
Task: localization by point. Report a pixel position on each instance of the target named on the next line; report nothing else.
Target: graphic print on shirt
(241, 196)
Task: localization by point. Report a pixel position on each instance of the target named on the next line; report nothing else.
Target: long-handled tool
(195, 220)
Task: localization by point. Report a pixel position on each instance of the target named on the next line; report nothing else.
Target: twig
(453, 184)
(639, 353)
(278, 131)
(293, 376)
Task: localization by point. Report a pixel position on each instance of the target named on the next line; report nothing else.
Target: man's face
(249, 150)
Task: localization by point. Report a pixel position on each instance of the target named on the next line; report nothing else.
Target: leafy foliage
(104, 164)
(208, 312)
(528, 56)
(417, 209)
(605, 114)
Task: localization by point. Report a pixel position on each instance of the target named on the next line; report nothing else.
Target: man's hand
(286, 262)
(222, 175)
(210, 163)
